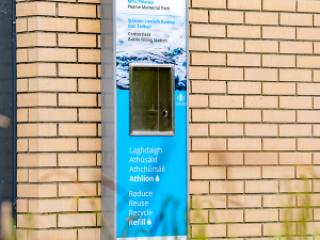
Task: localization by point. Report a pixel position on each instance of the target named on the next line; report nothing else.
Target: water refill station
(144, 119)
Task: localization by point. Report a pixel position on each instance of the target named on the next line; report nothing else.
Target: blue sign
(151, 172)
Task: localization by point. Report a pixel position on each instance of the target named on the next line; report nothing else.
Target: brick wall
(59, 118)
(254, 125)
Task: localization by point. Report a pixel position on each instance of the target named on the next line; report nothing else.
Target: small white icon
(149, 222)
(181, 98)
(157, 179)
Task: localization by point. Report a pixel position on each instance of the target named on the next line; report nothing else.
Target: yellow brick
(199, 216)
(261, 186)
(65, 234)
(52, 85)
(295, 214)
(308, 89)
(22, 175)
(278, 61)
(77, 220)
(199, 173)
(244, 144)
(77, 70)
(244, 60)
(37, 100)
(35, 8)
(208, 87)
(316, 20)
(296, 102)
(225, 73)
(308, 117)
(296, 47)
(284, 200)
(198, 73)
(36, 160)
(279, 144)
(291, 75)
(77, 100)
(308, 33)
(278, 229)
(243, 32)
(77, 10)
(198, 15)
(261, 215)
(208, 144)
(244, 201)
(89, 204)
(226, 216)
(21, 25)
(264, 130)
(209, 115)
(22, 85)
(278, 33)
(244, 115)
(208, 59)
(53, 205)
(22, 205)
(22, 55)
(214, 230)
(226, 187)
(22, 115)
(198, 187)
(260, 18)
(77, 40)
(226, 130)
(262, 46)
(226, 101)
(88, 144)
(243, 173)
(261, 158)
(308, 6)
(201, 30)
(22, 145)
(35, 190)
(295, 130)
(79, 129)
(317, 49)
(89, 55)
(295, 19)
(209, 201)
(52, 115)
(209, 4)
(198, 44)
(36, 130)
(52, 55)
(36, 40)
(283, 5)
(244, 88)
(225, 159)
(36, 221)
(36, 69)
(279, 88)
(53, 175)
(308, 62)
(89, 85)
(91, 26)
(198, 158)
(296, 186)
(278, 172)
(77, 159)
(89, 174)
(254, 74)
(77, 189)
(94, 234)
(90, 115)
(316, 130)
(226, 17)
(198, 130)
(51, 24)
(244, 4)
(226, 45)
(53, 145)
(308, 144)
(261, 102)
(244, 230)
